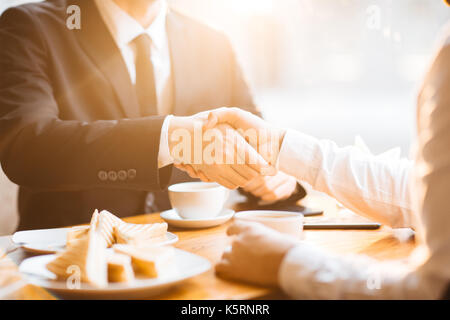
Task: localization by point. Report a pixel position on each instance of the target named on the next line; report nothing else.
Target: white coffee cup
(198, 200)
(290, 223)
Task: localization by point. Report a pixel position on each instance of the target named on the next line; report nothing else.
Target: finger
(239, 227)
(193, 173)
(246, 154)
(225, 182)
(223, 267)
(269, 186)
(181, 166)
(235, 117)
(203, 177)
(223, 115)
(201, 174)
(234, 174)
(190, 171)
(211, 122)
(246, 172)
(284, 190)
(243, 120)
(281, 193)
(255, 183)
(204, 173)
(227, 255)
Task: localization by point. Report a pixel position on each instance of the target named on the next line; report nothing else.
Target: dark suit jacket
(69, 113)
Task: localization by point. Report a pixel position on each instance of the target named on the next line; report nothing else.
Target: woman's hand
(256, 254)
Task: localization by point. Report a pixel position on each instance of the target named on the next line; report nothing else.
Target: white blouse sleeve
(307, 272)
(376, 187)
(379, 188)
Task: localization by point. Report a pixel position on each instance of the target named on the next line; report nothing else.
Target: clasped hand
(233, 148)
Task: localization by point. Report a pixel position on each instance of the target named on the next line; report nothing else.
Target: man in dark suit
(82, 110)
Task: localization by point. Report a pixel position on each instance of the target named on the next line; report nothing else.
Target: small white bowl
(198, 200)
(290, 223)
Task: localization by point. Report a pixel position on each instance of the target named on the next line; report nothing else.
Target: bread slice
(140, 234)
(76, 233)
(110, 222)
(85, 257)
(94, 218)
(119, 268)
(149, 262)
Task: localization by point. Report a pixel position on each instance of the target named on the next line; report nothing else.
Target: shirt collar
(125, 29)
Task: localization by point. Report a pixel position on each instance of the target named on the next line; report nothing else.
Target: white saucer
(47, 241)
(173, 219)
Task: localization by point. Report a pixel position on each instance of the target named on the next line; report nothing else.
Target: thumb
(259, 164)
(211, 122)
(247, 154)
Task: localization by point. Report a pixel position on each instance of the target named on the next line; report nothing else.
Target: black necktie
(145, 78)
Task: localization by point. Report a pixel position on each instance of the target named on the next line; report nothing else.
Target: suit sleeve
(40, 150)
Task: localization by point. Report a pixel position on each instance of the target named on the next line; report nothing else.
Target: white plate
(173, 219)
(46, 241)
(10, 291)
(187, 265)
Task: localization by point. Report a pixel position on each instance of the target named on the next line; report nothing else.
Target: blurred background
(331, 68)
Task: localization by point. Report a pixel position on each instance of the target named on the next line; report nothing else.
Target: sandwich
(149, 262)
(85, 258)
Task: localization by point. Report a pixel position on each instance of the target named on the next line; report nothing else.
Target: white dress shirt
(397, 192)
(124, 29)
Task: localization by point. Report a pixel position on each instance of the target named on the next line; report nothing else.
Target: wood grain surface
(211, 242)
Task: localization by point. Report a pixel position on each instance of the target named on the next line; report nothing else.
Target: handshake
(232, 147)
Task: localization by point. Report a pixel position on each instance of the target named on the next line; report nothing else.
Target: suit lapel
(98, 43)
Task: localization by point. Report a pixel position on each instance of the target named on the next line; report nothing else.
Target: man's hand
(267, 142)
(217, 153)
(268, 188)
(256, 254)
(262, 136)
(272, 188)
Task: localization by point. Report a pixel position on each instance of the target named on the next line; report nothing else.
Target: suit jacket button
(131, 173)
(102, 175)
(122, 175)
(112, 175)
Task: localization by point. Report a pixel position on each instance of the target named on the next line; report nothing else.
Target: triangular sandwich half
(85, 257)
(140, 234)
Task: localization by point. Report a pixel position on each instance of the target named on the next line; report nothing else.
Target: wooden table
(210, 243)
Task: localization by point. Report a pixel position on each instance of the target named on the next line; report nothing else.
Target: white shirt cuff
(299, 157)
(164, 157)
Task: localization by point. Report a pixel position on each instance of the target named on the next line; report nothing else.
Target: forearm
(308, 272)
(69, 155)
(372, 186)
